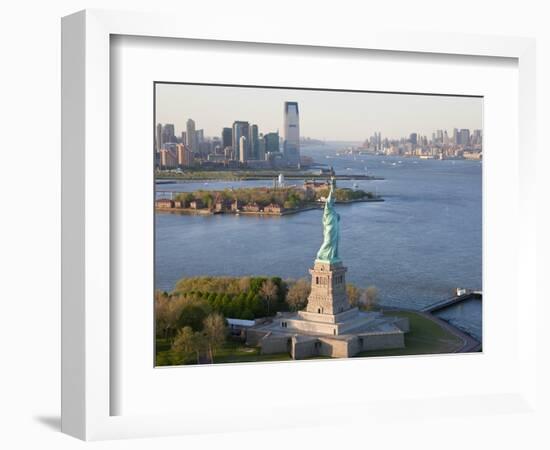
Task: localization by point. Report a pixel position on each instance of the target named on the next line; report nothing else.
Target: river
(416, 247)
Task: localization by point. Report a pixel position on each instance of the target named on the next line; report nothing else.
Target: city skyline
(327, 115)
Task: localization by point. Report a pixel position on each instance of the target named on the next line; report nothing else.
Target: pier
(452, 301)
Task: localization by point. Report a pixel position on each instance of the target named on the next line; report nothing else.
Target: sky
(326, 115)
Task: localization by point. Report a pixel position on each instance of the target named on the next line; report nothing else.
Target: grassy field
(425, 337)
(231, 352)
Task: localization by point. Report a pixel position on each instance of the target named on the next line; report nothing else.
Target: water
(466, 316)
(416, 247)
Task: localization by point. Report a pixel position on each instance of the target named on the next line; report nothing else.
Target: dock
(442, 304)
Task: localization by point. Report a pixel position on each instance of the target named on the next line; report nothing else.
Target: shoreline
(208, 212)
(160, 179)
(469, 343)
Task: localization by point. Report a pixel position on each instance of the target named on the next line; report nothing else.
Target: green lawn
(231, 352)
(425, 337)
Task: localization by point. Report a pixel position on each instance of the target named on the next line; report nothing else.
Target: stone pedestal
(328, 289)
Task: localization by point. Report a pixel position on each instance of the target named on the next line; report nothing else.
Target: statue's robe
(331, 230)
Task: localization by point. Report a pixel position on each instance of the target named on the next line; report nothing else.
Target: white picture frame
(87, 386)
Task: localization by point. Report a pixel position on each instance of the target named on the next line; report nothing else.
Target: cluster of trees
(346, 194)
(237, 297)
(286, 197)
(192, 328)
(190, 343)
(191, 318)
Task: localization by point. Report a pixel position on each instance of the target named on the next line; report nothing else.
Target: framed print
(242, 220)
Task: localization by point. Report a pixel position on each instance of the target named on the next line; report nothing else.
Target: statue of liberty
(331, 230)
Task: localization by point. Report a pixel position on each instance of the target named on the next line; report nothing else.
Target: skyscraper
(191, 144)
(413, 138)
(158, 137)
(227, 137)
(464, 137)
(271, 142)
(253, 142)
(243, 149)
(185, 157)
(261, 147)
(240, 129)
(168, 135)
(291, 146)
(477, 137)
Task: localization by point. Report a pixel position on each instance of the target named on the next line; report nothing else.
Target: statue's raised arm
(331, 230)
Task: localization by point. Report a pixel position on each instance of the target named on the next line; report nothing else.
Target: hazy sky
(346, 116)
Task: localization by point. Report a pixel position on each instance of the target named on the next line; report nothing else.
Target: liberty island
(329, 325)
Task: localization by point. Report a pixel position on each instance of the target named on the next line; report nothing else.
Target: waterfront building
(236, 205)
(190, 135)
(228, 153)
(243, 149)
(271, 142)
(477, 137)
(167, 135)
(168, 159)
(261, 147)
(251, 207)
(273, 208)
(291, 146)
(240, 129)
(164, 203)
(253, 142)
(158, 137)
(227, 137)
(196, 204)
(222, 205)
(464, 137)
(184, 155)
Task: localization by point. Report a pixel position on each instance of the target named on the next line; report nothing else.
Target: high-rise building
(227, 137)
(261, 147)
(240, 129)
(272, 142)
(253, 142)
(456, 139)
(183, 137)
(243, 149)
(413, 138)
(167, 135)
(464, 137)
(191, 140)
(185, 157)
(199, 141)
(158, 137)
(477, 137)
(291, 146)
(168, 159)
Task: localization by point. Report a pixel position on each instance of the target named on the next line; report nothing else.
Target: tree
(167, 312)
(192, 315)
(214, 331)
(269, 292)
(162, 319)
(353, 293)
(184, 343)
(297, 295)
(370, 297)
(244, 284)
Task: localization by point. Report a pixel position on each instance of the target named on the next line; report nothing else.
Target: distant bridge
(442, 304)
